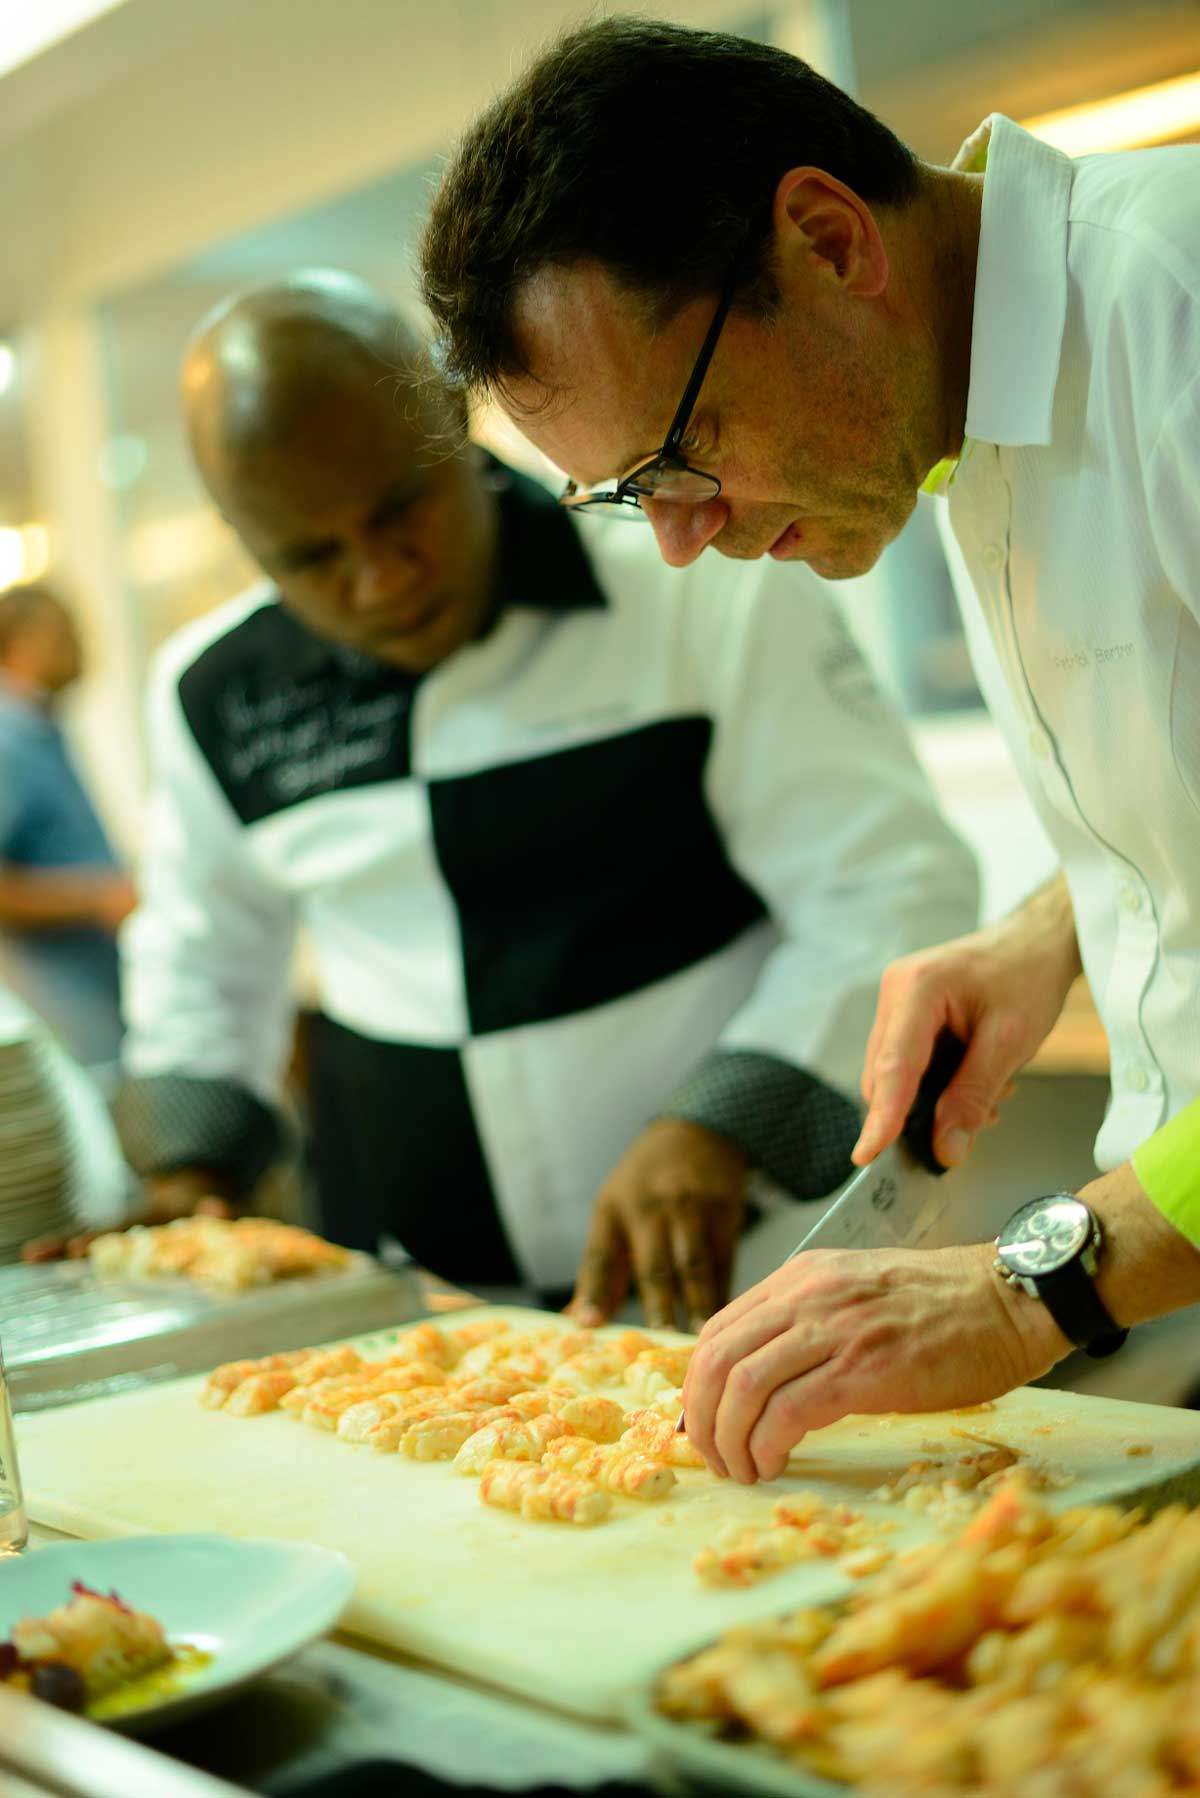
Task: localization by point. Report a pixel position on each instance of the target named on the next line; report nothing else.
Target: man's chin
(845, 563)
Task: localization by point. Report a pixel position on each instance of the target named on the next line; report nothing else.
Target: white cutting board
(567, 1616)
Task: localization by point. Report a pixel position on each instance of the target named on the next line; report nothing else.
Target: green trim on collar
(941, 475)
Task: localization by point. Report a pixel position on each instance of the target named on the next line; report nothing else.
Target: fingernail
(587, 1316)
(954, 1147)
(863, 1149)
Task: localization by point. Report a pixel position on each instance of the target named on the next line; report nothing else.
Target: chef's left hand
(668, 1218)
(837, 1331)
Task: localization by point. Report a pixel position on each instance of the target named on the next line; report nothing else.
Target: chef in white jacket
(598, 863)
(770, 355)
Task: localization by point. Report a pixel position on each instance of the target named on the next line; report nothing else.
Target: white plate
(246, 1603)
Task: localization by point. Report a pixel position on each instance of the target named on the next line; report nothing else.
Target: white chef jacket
(1074, 539)
(271, 811)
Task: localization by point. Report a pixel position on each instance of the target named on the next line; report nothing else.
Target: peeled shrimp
(522, 1439)
(542, 1496)
(651, 1434)
(630, 1474)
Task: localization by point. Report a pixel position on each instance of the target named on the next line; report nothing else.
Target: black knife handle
(917, 1134)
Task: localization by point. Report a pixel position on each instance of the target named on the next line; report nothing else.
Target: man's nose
(383, 577)
(683, 531)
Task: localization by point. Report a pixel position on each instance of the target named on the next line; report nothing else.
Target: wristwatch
(1050, 1248)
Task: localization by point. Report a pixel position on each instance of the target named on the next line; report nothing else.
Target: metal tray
(67, 1334)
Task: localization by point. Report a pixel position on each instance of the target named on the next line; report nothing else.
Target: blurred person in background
(62, 893)
(61, 1169)
(599, 864)
(848, 324)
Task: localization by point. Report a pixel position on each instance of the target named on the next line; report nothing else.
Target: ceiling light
(1144, 115)
(8, 366)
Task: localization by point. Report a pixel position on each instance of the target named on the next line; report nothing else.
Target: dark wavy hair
(651, 148)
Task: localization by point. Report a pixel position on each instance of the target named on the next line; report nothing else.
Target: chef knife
(899, 1199)
(901, 1196)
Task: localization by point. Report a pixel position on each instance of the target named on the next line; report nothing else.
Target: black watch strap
(1077, 1308)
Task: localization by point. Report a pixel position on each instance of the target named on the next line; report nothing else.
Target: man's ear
(823, 226)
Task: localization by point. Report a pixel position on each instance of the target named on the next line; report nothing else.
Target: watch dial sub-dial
(1046, 1234)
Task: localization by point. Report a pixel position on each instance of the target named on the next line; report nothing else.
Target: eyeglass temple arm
(687, 404)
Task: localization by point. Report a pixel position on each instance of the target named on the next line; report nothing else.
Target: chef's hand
(837, 1331)
(999, 990)
(185, 1192)
(668, 1218)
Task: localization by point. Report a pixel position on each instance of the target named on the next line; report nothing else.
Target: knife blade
(901, 1196)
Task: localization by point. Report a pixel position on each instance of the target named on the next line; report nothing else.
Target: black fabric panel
(586, 874)
(395, 1151)
(281, 717)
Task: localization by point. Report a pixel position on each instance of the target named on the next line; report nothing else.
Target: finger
(691, 1251)
(900, 1060)
(878, 1026)
(749, 1389)
(767, 1290)
(810, 1401)
(724, 1228)
(44, 1248)
(78, 1246)
(603, 1277)
(654, 1270)
(714, 1361)
(991, 1059)
(214, 1207)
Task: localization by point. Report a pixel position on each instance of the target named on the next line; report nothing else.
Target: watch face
(1045, 1235)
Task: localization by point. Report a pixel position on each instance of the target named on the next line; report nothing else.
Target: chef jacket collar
(542, 565)
(1020, 288)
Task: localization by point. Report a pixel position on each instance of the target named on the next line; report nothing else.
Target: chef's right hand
(999, 990)
(184, 1192)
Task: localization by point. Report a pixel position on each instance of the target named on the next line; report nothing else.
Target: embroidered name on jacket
(577, 875)
(281, 719)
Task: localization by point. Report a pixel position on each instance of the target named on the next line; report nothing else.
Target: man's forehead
(602, 384)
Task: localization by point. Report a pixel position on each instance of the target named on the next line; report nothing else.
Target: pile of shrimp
(222, 1255)
(947, 1487)
(518, 1410)
(1032, 1656)
(802, 1528)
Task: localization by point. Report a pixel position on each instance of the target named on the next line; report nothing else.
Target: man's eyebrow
(625, 466)
(299, 549)
(400, 493)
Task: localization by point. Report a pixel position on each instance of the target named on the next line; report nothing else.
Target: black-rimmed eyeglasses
(666, 475)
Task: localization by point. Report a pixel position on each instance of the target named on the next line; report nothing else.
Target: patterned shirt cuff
(171, 1121)
(792, 1126)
